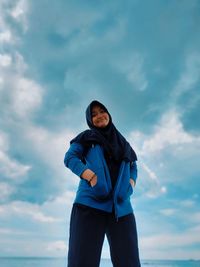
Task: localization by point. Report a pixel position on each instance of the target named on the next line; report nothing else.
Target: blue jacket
(101, 196)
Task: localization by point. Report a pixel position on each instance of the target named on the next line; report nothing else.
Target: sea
(61, 262)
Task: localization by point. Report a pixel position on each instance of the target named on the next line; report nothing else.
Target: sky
(142, 60)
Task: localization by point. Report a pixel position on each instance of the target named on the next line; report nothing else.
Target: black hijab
(114, 144)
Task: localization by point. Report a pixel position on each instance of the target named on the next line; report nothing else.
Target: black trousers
(88, 227)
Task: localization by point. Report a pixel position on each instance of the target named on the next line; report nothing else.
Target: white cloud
(19, 65)
(32, 210)
(65, 199)
(1, 82)
(168, 212)
(6, 190)
(33, 247)
(19, 13)
(172, 240)
(49, 220)
(12, 65)
(135, 73)
(23, 94)
(168, 136)
(195, 218)
(152, 175)
(28, 210)
(170, 254)
(133, 69)
(58, 245)
(188, 203)
(60, 207)
(19, 9)
(168, 132)
(171, 245)
(6, 36)
(13, 231)
(153, 186)
(4, 143)
(9, 167)
(5, 230)
(5, 60)
(52, 211)
(26, 97)
(190, 77)
(163, 189)
(52, 155)
(150, 184)
(38, 216)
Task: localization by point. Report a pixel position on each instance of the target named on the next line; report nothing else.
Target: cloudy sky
(142, 60)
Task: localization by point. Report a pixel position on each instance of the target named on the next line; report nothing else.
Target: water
(61, 262)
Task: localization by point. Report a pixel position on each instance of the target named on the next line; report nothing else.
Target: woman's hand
(132, 182)
(94, 180)
(90, 176)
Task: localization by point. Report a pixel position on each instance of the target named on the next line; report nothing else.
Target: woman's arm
(133, 172)
(73, 161)
(90, 176)
(132, 182)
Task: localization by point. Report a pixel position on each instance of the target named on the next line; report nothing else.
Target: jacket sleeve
(133, 171)
(73, 158)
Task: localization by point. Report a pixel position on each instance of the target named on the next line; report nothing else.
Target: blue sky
(142, 60)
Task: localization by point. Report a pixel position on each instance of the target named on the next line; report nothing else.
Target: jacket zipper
(115, 208)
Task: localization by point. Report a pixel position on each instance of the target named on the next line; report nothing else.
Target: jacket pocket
(124, 195)
(100, 191)
(95, 163)
(125, 188)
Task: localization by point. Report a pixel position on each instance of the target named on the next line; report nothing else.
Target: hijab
(114, 144)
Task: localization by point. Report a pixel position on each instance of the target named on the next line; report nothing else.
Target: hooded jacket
(102, 196)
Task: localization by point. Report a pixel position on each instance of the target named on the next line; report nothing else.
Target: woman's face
(100, 117)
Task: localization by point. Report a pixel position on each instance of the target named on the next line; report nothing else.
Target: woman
(106, 164)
